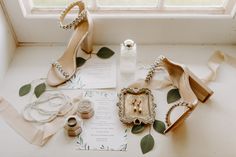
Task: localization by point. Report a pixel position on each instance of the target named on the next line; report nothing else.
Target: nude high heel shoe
(191, 89)
(64, 68)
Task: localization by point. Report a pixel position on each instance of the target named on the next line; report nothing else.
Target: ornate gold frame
(128, 115)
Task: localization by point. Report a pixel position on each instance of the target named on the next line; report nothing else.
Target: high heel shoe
(64, 68)
(191, 89)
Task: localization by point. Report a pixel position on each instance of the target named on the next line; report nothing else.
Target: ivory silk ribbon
(26, 129)
(40, 136)
(214, 63)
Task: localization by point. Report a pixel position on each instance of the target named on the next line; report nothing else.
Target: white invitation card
(103, 131)
(96, 73)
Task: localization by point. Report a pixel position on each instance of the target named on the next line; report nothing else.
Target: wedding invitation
(103, 131)
(96, 73)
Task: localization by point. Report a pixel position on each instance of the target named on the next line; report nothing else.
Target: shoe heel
(87, 44)
(201, 90)
(179, 121)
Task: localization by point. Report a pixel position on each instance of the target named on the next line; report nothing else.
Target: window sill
(33, 62)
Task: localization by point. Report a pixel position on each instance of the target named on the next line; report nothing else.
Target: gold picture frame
(136, 105)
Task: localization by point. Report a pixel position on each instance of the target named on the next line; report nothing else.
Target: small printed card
(96, 73)
(103, 131)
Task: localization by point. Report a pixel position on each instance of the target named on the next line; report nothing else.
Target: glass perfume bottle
(128, 56)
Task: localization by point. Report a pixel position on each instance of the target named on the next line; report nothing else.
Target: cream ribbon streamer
(214, 63)
(27, 130)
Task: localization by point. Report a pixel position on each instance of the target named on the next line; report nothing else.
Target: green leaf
(40, 89)
(137, 128)
(173, 95)
(80, 61)
(147, 143)
(159, 126)
(105, 52)
(24, 89)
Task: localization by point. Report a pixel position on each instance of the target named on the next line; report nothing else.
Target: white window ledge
(33, 62)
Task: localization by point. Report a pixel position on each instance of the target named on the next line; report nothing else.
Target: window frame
(41, 28)
(227, 9)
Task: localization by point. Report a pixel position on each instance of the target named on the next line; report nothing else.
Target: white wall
(7, 44)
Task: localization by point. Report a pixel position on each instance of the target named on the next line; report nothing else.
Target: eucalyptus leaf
(173, 95)
(80, 61)
(147, 143)
(159, 126)
(24, 89)
(39, 89)
(137, 128)
(105, 52)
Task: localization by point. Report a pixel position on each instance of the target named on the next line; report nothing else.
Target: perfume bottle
(128, 55)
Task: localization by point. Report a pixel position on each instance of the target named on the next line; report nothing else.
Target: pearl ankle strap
(81, 15)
